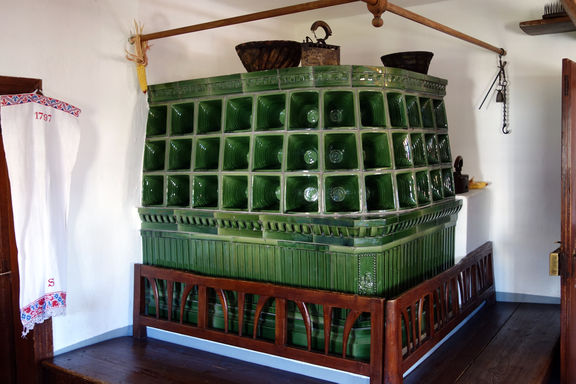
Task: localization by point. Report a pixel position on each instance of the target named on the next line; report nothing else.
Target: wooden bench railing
(420, 317)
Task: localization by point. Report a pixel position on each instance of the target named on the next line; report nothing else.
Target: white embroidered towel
(41, 137)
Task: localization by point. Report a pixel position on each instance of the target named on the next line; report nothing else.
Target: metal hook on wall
(501, 93)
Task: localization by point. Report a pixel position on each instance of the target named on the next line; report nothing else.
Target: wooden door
(19, 357)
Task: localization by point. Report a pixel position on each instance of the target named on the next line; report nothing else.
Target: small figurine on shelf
(460, 180)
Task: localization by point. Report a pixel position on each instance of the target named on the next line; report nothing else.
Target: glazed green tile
(436, 184)
(340, 151)
(162, 92)
(178, 191)
(266, 193)
(448, 182)
(205, 191)
(304, 110)
(342, 194)
(440, 114)
(426, 109)
(225, 85)
(157, 120)
(271, 112)
(402, 150)
(432, 149)
(154, 155)
(180, 154)
(379, 192)
(396, 110)
(372, 112)
(152, 190)
(413, 110)
(239, 114)
(366, 76)
(339, 109)
(260, 81)
(406, 190)
(268, 152)
(302, 194)
(206, 153)
(376, 150)
(236, 153)
(235, 192)
(332, 76)
(418, 150)
(187, 89)
(444, 149)
(297, 77)
(209, 116)
(422, 187)
(182, 119)
(302, 152)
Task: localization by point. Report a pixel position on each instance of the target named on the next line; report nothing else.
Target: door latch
(554, 263)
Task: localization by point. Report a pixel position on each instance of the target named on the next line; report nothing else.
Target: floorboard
(129, 361)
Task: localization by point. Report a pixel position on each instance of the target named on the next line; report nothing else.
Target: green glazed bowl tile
(152, 190)
(376, 150)
(436, 184)
(340, 151)
(236, 153)
(209, 116)
(156, 123)
(268, 152)
(302, 194)
(379, 192)
(180, 154)
(448, 182)
(235, 192)
(207, 153)
(432, 149)
(205, 191)
(239, 114)
(372, 109)
(339, 109)
(182, 119)
(266, 193)
(418, 151)
(444, 149)
(271, 112)
(178, 191)
(302, 152)
(413, 110)
(440, 114)
(396, 109)
(402, 150)
(154, 154)
(427, 112)
(342, 194)
(406, 190)
(304, 110)
(422, 187)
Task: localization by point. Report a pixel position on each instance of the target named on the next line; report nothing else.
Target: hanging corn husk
(139, 56)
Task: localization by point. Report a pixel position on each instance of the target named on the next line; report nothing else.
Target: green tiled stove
(331, 177)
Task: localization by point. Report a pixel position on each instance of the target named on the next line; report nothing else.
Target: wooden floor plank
(130, 361)
(453, 357)
(523, 350)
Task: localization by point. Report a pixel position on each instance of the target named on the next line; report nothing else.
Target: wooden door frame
(27, 352)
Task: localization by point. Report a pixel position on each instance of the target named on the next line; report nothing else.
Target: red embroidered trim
(51, 304)
(6, 100)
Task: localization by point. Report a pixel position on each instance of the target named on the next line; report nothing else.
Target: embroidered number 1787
(43, 116)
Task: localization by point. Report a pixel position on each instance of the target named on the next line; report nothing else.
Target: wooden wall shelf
(547, 26)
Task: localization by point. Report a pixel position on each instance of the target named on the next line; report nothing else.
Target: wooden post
(393, 345)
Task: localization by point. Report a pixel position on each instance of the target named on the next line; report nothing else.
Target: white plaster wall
(77, 48)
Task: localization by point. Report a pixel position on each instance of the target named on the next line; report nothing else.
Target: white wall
(77, 48)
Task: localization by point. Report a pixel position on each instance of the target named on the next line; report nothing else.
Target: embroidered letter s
(51, 282)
